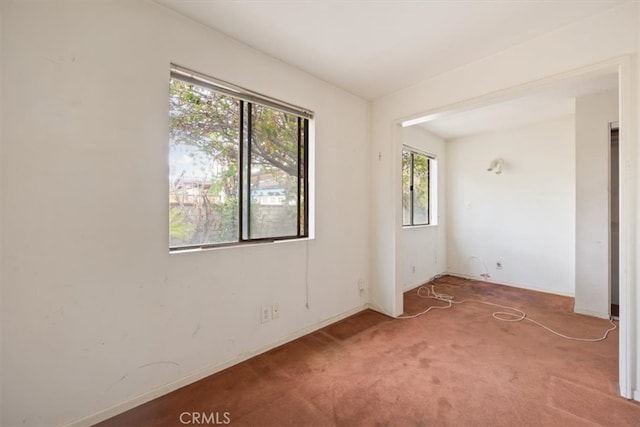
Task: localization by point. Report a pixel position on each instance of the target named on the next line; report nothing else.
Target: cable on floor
(516, 315)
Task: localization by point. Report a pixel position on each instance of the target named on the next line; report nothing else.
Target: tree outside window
(237, 169)
(415, 188)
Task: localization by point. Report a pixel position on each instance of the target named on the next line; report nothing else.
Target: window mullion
(299, 174)
(246, 168)
(411, 184)
(306, 175)
(241, 173)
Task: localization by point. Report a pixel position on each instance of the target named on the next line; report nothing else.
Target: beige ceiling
(372, 48)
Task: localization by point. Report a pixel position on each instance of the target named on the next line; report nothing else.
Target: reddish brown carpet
(456, 367)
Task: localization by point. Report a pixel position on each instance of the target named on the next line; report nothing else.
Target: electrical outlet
(265, 314)
(498, 265)
(275, 311)
(361, 286)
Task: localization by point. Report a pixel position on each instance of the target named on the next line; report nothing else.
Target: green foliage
(420, 182)
(204, 119)
(275, 139)
(210, 121)
(415, 192)
(179, 228)
(209, 124)
(406, 187)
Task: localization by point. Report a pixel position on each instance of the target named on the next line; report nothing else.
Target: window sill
(411, 227)
(238, 245)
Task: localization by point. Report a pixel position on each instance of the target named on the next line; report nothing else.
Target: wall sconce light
(496, 166)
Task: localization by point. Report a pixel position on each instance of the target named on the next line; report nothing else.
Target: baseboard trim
(591, 313)
(203, 373)
(414, 285)
(513, 285)
(636, 395)
(531, 288)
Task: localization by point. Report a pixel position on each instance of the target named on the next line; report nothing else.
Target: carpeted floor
(455, 367)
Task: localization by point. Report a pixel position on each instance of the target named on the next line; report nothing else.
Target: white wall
(1, 211)
(630, 157)
(95, 311)
(524, 217)
(595, 40)
(423, 248)
(594, 114)
(581, 44)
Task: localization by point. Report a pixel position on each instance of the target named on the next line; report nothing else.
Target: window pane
(303, 175)
(406, 188)
(274, 174)
(420, 189)
(203, 166)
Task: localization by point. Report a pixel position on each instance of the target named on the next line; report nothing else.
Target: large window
(237, 165)
(415, 188)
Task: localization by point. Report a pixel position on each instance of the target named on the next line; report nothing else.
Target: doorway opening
(619, 71)
(614, 230)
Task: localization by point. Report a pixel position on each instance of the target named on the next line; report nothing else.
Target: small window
(416, 188)
(238, 165)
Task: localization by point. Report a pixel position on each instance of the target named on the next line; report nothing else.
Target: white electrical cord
(517, 315)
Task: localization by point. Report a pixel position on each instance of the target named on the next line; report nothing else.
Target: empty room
(328, 213)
